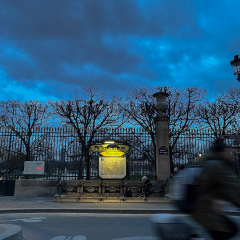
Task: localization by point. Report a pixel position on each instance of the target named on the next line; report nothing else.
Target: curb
(101, 210)
(88, 210)
(10, 232)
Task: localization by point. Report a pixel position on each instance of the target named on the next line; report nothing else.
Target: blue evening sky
(50, 49)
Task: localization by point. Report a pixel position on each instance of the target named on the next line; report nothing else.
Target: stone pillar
(162, 138)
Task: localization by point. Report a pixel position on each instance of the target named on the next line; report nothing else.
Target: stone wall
(35, 188)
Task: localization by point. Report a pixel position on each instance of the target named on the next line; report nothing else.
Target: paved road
(41, 219)
(85, 226)
(60, 226)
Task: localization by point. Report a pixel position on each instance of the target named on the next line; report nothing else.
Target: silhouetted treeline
(188, 108)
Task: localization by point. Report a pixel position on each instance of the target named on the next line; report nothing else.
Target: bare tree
(182, 104)
(87, 117)
(140, 111)
(222, 113)
(23, 118)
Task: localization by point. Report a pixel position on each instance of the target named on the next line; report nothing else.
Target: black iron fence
(193, 143)
(60, 148)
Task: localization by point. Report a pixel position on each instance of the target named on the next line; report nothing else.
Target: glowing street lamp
(235, 63)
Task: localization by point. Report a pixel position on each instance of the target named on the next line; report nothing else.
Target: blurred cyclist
(215, 184)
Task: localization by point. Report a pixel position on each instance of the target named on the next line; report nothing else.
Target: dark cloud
(54, 32)
(75, 20)
(64, 45)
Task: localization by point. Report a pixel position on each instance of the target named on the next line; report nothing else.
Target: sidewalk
(31, 205)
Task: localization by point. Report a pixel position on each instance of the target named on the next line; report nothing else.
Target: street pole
(8, 160)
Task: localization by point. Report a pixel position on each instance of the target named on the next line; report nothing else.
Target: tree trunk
(88, 164)
(171, 161)
(80, 168)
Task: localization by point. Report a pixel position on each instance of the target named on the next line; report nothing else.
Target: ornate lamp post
(235, 63)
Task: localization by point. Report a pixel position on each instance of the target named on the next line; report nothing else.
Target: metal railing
(194, 143)
(60, 148)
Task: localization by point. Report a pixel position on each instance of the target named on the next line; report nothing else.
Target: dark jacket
(215, 183)
(147, 187)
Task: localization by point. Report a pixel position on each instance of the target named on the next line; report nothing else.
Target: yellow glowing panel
(104, 148)
(112, 167)
(112, 153)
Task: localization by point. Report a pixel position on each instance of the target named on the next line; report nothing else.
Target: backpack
(184, 187)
